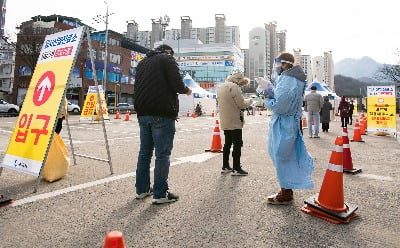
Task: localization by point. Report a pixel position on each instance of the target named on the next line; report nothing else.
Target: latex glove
(268, 93)
(263, 84)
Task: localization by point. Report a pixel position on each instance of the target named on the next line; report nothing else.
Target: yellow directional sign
(381, 109)
(90, 105)
(34, 128)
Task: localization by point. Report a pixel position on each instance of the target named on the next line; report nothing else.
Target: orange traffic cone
(194, 115)
(363, 126)
(212, 114)
(347, 160)
(357, 134)
(114, 239)
(117, 115)
(188, 114)
(126, 116)
(304, 123)
(329, 204)
(216, 144)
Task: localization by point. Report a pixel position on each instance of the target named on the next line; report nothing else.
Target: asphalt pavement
(214, 210)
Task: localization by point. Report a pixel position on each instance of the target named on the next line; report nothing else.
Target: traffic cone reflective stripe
(114, 239)
(216, 144)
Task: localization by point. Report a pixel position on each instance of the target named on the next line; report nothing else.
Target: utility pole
(98, 19)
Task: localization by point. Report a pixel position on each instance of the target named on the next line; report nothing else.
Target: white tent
(199, 96)
(324, 90)
(197, 91)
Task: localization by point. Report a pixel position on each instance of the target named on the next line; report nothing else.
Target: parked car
(73, 108)
(122, 106)
(8, 107)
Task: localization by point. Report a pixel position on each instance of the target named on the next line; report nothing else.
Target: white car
(73, 108)
(8, 107)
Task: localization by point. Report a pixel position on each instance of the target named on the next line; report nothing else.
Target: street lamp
(102, 18)
(164, 21)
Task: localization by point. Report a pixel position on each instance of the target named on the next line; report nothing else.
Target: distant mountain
(365, 67)
(347, 86)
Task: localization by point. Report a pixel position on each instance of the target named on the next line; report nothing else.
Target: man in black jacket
(157, 84)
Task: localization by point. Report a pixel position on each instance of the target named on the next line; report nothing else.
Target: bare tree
(28, 46)
(390, 72)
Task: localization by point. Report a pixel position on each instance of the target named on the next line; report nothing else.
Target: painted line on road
(198, 158)
(5, 131)
(376, 177)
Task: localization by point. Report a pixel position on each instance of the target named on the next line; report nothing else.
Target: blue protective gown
(294, 165)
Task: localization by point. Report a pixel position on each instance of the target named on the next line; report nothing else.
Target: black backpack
(346, 109)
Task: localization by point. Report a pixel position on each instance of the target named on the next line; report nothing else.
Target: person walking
(294, 165)
(344, 111)
(313, 105)
(156, 88)
(351, 111)
(326, 114)
(231, 108)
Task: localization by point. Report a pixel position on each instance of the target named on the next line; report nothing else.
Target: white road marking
(198, 158)
(376, 177)
(5, 131)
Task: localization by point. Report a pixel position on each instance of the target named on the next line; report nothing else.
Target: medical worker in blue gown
(286, 147)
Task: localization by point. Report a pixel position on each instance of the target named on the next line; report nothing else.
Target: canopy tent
(197, 91)
(322, 89)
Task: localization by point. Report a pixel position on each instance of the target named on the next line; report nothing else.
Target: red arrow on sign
(44, 88)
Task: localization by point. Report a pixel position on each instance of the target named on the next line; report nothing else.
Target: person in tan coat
(232, 105)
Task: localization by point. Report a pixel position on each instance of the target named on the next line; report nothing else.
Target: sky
(348, 28)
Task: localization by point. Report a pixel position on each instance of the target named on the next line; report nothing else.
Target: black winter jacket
(157, 84)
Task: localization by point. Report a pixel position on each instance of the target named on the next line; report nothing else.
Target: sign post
(30, 141)
(381, 109)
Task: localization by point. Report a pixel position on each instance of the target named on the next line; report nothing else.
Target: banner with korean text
(381, 109)
(90, 105)
(32, 134)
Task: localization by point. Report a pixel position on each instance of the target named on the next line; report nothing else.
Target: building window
(115, 58)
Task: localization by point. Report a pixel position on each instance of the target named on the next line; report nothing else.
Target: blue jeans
(313, 116)
(156, 133)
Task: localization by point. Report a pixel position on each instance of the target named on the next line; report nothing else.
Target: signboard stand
(30, 142)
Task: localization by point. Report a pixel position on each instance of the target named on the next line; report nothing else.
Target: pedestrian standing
(286, 147)
(156, 89)
(344, 111)
(231, 107)
(326, 114)
(351, 111)
(313, 105)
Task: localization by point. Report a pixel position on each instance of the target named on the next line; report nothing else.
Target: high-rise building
(322, 69)
(272, 47)
(264, 45)
(257, 53)
(220, 28)
(186, 27)
(304, 61)
(220, 33)
(281, 41)
(329, 68)
(132, 30)
(2, 16)
(156, 31)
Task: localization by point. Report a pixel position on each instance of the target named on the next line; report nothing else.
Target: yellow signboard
(34, 128)
(381, 109)
(90, 106)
